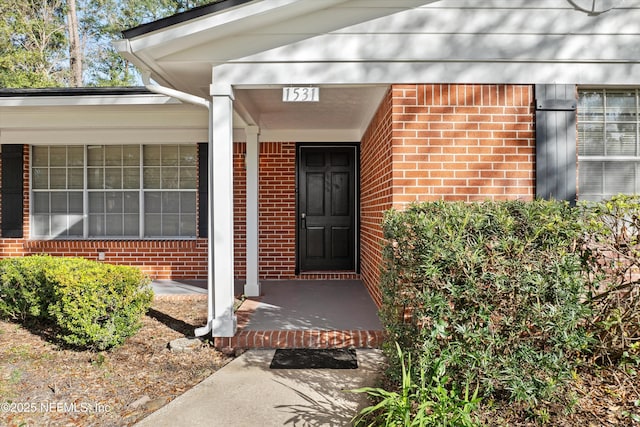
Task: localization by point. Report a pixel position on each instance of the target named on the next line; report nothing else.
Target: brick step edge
(302, 339)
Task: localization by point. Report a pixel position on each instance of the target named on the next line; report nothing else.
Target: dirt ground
(41, 384)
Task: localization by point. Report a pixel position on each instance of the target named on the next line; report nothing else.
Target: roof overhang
(97, 116)
(361, 47)
(83, 96)
(183, 54)
(237, 30)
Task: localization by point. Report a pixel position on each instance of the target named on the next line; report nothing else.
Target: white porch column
(221, 216)
(252, 286)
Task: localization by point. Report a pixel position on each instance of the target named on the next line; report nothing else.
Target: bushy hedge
(25, 293)
(91, 305)
(494, 291)
(611, 250)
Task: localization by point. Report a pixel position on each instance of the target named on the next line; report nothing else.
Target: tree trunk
(75, 52)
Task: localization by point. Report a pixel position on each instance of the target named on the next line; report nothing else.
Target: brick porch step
(301, 339)
(298, 338)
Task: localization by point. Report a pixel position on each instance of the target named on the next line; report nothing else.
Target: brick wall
(463, 142)
(187, 259)
(239, 210)
(160, 259)
(375, 193)
(277, 216)
(449, 142)
(426, 142)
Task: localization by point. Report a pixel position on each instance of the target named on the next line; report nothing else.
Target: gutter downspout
(196, 100)
(182, 96)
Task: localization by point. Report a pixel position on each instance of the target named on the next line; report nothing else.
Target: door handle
(303, 219)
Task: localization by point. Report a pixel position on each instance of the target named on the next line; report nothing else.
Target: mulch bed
(43, 384)
(599, 397)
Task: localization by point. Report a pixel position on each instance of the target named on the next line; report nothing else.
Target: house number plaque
(301, 94)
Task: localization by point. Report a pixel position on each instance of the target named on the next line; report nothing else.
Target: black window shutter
(12, 187)
(203, 189)
(556, 142)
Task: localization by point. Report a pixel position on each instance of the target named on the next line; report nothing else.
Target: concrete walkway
(182, 287)
(247, 393)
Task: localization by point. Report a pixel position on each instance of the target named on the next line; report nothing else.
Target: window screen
(608, 143)
(114, 191)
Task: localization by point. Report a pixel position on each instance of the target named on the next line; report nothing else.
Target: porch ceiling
(342, 114)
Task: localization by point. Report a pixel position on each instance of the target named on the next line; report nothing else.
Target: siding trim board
(556, 160)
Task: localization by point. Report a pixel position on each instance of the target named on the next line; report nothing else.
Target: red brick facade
(277, 210)
(463, 142)
(426, 142)
(239, 209)
(277, 216)
(440, 141)
(160, 259)
(375, 192)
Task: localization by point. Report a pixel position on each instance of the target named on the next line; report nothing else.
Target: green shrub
(96, 305)
(431, 402)
(90, 304)
(491, 290)
(611, 250)
(25, 293)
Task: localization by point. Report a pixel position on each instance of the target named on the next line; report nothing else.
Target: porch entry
(327, 205)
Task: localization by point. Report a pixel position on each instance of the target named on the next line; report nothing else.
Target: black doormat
(312, 358)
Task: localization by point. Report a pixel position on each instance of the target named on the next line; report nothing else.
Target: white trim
(352, 73)
(252, 285)
(221, 239)
(225, 23)
(85, 100)
(312, 135)
(102, 136)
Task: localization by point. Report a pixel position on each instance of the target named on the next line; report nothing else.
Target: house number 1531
(301, 94)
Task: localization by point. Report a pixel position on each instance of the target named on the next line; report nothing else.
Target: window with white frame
(113, 191)
(608, 143)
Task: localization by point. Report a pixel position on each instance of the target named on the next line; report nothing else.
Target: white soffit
(343, 112)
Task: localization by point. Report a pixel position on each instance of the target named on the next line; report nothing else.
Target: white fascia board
(522, 72)
(283, 35)
(461, 31)
(87, 118)
(106, 136)
(461, 47)
(303, 135)
(144, 62)
(100, 100)
(224, 24)
(481, 18)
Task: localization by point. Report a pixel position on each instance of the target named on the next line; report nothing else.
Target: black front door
(327, 207)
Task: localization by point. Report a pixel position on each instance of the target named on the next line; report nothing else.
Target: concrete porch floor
(297, 314)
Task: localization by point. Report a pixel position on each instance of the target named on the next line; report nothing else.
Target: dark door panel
(327, 208)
